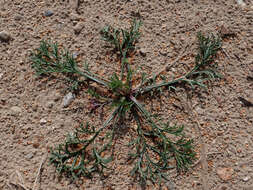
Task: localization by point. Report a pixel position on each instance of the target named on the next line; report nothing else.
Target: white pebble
(15, 110)
(240, 2)
(247, 178)
(68, 99)
(43, 121)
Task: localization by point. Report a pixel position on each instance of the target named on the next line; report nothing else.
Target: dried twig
(203, 156)
(21, 179)
(20, 184)
(17, 185)
(39, 171)
(225, 53)
(169, 65)
(76, 5)
(200, 159)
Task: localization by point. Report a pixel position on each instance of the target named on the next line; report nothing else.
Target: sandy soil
(32, 118)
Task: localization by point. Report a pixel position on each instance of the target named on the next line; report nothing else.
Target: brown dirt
(225, 125)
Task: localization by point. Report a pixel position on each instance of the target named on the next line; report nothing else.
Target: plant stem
(154, 86)
(94, 78)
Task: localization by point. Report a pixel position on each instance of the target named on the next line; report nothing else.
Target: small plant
(89, 148)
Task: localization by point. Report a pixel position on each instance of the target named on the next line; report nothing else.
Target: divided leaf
(157, 146)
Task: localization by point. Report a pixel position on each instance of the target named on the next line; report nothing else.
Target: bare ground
(32, 118)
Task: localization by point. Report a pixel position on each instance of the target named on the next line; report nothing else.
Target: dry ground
(32, 118)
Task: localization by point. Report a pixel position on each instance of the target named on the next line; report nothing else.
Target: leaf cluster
(122, 40)
(203, 70)
(79, 156)
(49, 59)
(154, 150)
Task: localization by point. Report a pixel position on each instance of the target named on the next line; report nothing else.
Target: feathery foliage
(153, 153)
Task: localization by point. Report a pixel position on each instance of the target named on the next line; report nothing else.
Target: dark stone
(48, 13)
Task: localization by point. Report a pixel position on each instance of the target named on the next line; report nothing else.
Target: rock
(18, 17)
(63, 14)
(68, 99)
(143, 52)
(155, 63)
(200, 111)
(50, 104)
(223, 187)
(181, 25)
(225, 32)
(75, 55)
(240, 2)
(78, 28)
(29, 156)
(163, 52)
(173, 70)
(74, 17)
(57, 97)
(247, 178)
(170, 74)
(36, 145)
(43, 121)
(1, 75)
(15, 110)
(225, 173)
(35, 107)
(5, 36)
(250, 187)
(48, 13)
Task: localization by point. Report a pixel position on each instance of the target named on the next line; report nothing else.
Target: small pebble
(74, 17)
(36, 145)
(57, 97)
(1, 75)
(5, 36)
(68, 99)
(155, 63)
(48, 13)
(75, 55)
(63, 14)
(240, 2)
(181, 25)
(18, 17)
(143, 52)
(225, 173)
(200, 111)
(78, 28)
(173, 70)
(50, 104)
(43, 121)
(29, 156)
(247, 178)
(163, 52)
(15, 110)
(223, 188)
